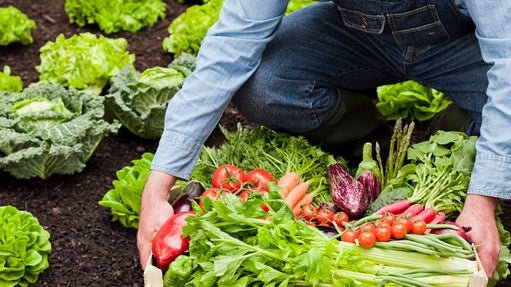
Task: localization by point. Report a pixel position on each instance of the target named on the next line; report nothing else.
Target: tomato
(259, 178)
(324, 216)
(405, 221)
(366, 239)
(368, 226)
(228, 177)
(383, 233)
(340, 217)
(212, 192)
(399, 231)
(308, 213)
(349, 235)
(419, 227)
(244, 195)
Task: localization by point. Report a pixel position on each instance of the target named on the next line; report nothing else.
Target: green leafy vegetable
(24, 247)
(125, 196)
(139, 100)
(235, 243)
(15, 26)
(410, 100)
(10, 83)
(83, 61)
(116, 15)
(188, 29)
(275, 152)
(47, 129)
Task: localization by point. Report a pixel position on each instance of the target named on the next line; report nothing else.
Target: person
(309, 72)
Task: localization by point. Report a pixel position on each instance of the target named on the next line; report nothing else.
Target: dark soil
(89, 249)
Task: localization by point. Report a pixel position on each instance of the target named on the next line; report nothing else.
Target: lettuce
(410, 100)
(24, 247)
(10, 83)
(115, 15)
(189, 28)
(84, 61)
(139, 100)
(47, 129)
(15, 26)
(124, 198)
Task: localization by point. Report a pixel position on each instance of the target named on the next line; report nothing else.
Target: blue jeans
(325, 53)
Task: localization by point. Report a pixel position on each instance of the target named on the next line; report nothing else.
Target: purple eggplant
(371, 185)
(349, 194)
(192, 191)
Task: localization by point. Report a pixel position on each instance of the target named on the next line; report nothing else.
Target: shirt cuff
(491, 176)
(176, 154)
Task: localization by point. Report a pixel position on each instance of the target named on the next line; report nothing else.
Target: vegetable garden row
(263, 208)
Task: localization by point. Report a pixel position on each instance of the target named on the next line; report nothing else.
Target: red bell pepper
(169, 242)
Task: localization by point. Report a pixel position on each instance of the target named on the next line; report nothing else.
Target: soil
(88, 248)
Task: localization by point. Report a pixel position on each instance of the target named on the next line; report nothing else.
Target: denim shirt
(232, 49)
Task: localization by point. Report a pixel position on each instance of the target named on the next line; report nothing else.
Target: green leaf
(15, 26)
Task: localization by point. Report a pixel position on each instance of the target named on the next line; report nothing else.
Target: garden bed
(89, 249)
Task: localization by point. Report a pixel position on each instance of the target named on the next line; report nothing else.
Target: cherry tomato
(324, 216)
(366, 239)
(419, 227)
(228, 177)
(405, 221)
(368, 226)
(349, 235)
(388, 219)
(308, 213)
(399, 231)
(259, 179)
(212, 192)
(340, 217)
(383, 233)
(244, 195)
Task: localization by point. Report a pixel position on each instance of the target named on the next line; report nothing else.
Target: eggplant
(192, 191)
(371, 183)
(349, 194)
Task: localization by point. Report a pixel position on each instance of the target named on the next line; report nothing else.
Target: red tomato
(366, 239)
(324, 217)
(228, 177)
(368, 227)
(349, 235)
(212, 192)
(419, 227)
(398, 230)
(259, 179)
(308, 213)
(406, 221)
(340, 217)
(244, 195)
(383, 233)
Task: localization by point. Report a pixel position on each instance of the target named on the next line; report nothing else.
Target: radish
(428, 214)
(413, 210)
(459, 230)
(397, 207)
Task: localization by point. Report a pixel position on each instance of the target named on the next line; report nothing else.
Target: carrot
(287, 182)
(413, 210)
(306, 199)
(396, 207)
(296, 194)
(428, 214)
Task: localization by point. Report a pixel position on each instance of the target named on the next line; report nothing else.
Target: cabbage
(139, 100)
(15, 26)
(47, 129)
(115, 15)
(24, 247)
(84, 61)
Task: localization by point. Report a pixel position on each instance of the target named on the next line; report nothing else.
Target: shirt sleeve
(491, 175)
(229, 54)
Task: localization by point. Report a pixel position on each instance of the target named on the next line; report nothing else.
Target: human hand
(479, 213)
(154, 211)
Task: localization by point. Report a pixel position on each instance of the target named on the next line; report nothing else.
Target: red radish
(413, 210)
(396, 207)
(439, 217)
(461, 231)
(428, 214)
